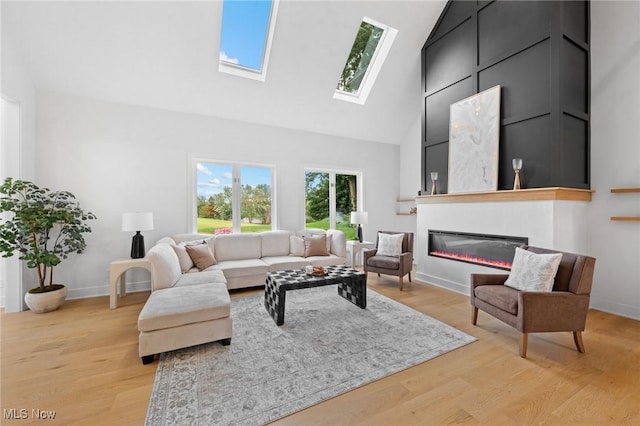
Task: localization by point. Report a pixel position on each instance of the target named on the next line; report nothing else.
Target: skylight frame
(246, 72)
(371, 74)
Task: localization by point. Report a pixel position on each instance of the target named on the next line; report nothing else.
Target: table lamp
(137, 222)
(359, 218)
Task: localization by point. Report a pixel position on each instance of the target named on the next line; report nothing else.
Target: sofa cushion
(238, 247)
(177, 306)
(281, 263)
(532, 271)
(385, 262)
(312, 232)
(275, 243)
(166, 267)
(337, 242)
(297, 246)
(500, 296)
(238, 268)
(315, 245)
(390, 244)
(332, 259)
(201, 255)
(202, 277)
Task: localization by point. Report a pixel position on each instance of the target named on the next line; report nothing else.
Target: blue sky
(244, 31)
(212, 177)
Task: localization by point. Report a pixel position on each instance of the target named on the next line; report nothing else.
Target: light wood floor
(82, 362)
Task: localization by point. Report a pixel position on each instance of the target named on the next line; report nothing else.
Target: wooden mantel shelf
(533, 194)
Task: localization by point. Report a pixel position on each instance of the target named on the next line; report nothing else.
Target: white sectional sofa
(189, 306)
(244, 259)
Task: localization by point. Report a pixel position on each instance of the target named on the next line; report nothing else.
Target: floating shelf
(533, 194)
(625, 218)
(624, 190)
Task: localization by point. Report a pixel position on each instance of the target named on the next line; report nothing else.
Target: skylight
(369, 51)
(245, 37)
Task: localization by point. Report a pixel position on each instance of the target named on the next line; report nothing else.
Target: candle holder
(434, 183)
(517, 166)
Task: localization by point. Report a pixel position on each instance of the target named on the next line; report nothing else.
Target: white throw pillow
(532, 271)
(297, 246)
(389, 244)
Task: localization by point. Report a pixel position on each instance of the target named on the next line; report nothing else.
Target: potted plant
(45, 227)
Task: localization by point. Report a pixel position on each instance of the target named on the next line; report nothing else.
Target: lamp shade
(137, 221)
(359, 217)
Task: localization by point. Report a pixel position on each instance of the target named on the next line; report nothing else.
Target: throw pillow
(532, 271)
(315, 246)
(297, 246)
(389, 244)
(201, 256)
(183, 257)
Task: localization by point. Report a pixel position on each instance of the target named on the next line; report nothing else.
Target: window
(369, 51)
(245, 37)
(233, 198)
(330, 197)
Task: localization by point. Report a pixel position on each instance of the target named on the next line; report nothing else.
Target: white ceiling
(165, 55)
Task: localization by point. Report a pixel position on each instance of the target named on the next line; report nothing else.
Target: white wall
(615, 155)
(18, 159)
(117, 158)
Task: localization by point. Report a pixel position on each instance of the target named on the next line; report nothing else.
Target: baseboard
(615, 308)
(441, 282)
(83, 293)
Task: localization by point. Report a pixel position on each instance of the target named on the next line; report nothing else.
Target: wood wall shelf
(533, 194)
(624, 190)
(625, 218)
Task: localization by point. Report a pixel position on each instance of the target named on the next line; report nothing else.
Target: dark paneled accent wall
(538, 52)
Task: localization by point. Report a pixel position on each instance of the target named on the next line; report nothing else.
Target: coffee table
(352, 285)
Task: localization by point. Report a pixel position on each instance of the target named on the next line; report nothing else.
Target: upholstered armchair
(398, 265)
(564, 308)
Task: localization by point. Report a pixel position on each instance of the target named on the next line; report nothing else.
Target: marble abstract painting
(474, 133)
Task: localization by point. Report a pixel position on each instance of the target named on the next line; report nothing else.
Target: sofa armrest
(487, 279)
(552, 311)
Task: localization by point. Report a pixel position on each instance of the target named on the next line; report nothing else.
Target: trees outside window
(233, 198)
(330, 197)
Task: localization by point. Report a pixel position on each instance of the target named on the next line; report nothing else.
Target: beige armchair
(391, 265)
(563, 309)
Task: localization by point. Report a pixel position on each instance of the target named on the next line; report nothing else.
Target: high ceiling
(165, 55)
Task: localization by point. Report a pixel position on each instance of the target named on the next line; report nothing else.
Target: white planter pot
(40, 303)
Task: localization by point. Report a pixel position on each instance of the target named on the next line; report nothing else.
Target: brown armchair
(397, 266)
(562, 309)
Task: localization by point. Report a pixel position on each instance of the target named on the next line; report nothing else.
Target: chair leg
(523, 344)
(401, 283)
(577, 338)
(409, 276)
(474, 315)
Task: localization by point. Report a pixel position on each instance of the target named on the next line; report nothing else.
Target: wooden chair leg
(409, 276)
(401, 283)
(523, 344)
(474, 315)
(577, 338)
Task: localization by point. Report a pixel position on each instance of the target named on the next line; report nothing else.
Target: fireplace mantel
(533, 194)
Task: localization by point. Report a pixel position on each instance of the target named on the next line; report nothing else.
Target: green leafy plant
(45, 228)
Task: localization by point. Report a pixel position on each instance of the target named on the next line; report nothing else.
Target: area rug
(327, 346)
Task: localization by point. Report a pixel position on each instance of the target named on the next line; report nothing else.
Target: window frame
(332, 191)
(242, 71)
(236, 191)
(373, 70)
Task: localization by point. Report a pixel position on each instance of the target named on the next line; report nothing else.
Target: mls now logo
(23, 413)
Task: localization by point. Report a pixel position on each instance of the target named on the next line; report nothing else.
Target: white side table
(118, 273)
(355, 247)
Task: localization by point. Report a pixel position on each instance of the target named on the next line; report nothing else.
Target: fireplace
(495, 251)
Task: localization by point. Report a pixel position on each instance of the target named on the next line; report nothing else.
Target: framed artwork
(474, 132)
